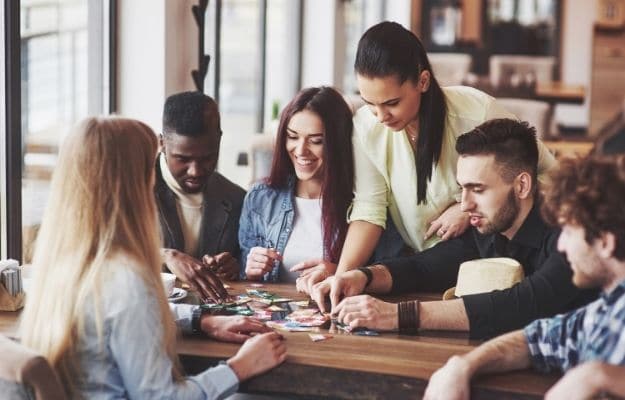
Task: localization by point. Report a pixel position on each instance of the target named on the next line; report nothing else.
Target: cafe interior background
(558, 63)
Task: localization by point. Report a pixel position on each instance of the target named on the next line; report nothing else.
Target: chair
(450, 69)
(26, 375)
(611, 136)
(536, 113)
(261, 155)
(504, 67)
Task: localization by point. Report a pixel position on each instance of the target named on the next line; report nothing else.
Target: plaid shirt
(593, 332)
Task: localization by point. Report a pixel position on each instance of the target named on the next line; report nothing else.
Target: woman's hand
(260, 261)
(450, 224)
(258, 354)
(312, 271)
(232, 328)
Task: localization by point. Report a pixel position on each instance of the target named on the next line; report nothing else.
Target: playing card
(318, 337)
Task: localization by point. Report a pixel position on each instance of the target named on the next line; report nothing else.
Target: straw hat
(485, 275)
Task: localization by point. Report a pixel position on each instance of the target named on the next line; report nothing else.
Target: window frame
(10, 119)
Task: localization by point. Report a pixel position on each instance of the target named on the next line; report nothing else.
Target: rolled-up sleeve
(370, 189)
(553, 343)
(182, 314)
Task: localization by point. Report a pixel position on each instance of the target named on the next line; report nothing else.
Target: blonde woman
(97, 309)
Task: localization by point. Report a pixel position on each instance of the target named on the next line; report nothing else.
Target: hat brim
(450, 294)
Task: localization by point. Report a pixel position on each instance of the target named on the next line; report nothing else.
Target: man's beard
(505, 216)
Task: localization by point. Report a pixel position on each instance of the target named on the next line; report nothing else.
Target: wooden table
(389, 366)
(558, 92)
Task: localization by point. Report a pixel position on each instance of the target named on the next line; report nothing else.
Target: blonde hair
(101, 204)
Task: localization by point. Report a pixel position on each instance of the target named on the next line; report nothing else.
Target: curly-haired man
(587, 199)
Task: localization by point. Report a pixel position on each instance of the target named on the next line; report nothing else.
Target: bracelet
(368, 274)
(408, 316)
(196, 320)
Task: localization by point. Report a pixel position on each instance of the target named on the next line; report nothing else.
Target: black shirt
(547, 289)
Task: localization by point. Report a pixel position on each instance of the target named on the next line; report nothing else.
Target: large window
(65, 77)
(254, 70)
(359, 15)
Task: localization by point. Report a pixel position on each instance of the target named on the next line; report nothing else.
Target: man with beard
(586, 200)
(497, 172)
(199, 209)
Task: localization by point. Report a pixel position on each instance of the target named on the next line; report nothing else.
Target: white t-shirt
(306, 239)
(189, 208)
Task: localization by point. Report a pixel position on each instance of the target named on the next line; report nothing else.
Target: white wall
(318, 52)
(577, 31)
(157, 48)
(399, 11)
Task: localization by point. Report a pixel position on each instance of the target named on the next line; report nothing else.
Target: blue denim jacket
(267, 221)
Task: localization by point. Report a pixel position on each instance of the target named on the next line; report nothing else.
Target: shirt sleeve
(370, 189)
(434, 269)
(554, 342)
(183, 313)
(247, 234)
(546, 292)
(146, 370)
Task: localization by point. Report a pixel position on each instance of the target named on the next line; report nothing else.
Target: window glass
(239, 84)
(240, 79)
(359, 15)
(55, 91)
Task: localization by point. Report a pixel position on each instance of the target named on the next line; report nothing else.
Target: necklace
(412, 135)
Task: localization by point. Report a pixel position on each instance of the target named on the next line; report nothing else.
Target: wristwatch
(368, 274)
(196, 320)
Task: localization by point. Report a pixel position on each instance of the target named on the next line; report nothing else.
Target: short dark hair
(512, 142)
(191, 114)
(338, 169)
(589, 192)
(388, 49)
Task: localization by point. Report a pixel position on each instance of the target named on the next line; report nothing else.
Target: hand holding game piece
(235, 329)
(320, 292)
(347, 284)
(195, 274)
(313, 271)
(366, 311)
(224, 265)
(260, 261)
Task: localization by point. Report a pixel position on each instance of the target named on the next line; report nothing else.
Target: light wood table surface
(389, 366)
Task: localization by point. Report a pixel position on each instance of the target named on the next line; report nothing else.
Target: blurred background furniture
(512, 70)
(537, 113)
(608, 77)
(611, 138)
(450, 69)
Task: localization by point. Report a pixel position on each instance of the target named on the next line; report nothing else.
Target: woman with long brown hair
(295, 219)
